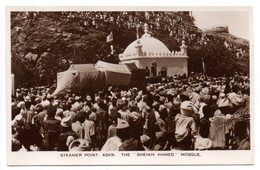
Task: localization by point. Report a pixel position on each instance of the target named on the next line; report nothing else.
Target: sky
(237, 21)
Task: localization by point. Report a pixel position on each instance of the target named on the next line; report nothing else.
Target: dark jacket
(51, 130)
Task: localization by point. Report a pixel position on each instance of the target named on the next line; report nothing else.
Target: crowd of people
(175, 25)
(178, 113)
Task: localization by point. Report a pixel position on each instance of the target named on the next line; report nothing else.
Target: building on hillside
(219, 29)
(148, 52)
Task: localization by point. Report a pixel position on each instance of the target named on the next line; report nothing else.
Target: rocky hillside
(44, 43)
(230, 37)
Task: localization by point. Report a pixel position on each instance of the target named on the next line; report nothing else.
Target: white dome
(149, 45)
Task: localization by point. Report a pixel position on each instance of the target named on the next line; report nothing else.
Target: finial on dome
(146, 34)
(145, 28)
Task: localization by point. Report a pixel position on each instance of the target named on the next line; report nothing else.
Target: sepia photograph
(146, 85)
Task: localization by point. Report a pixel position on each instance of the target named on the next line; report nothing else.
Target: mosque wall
(173, 65)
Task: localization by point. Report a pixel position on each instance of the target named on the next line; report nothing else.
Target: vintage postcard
(130, 85)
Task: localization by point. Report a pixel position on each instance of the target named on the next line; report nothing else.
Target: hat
(205, 97)
(140, 93)
(66, 122)
(187, 108)
(55, 103)
(135, 88)
(162, 108)
(45, 104)
(123, 93)
(138, 98)
(120, 103)
(71, 99)
(69, 140)
(155, 104)
(79, 145)
(124, 99)
(20, 104)
(68, 103)
(186, 105)
(162, 99)
(37, 99)
(122, 124)
(235, 99)
(49, 96)
(27, 99)
(132, 104)
(161, 87)
(19, 121)
(223, 103)
(195, 96)
(214, 97)
(144, 138)
(59, 112)
(171, 92)
(75, 107)
(38, 107)
(222, 95)
(34, 148)
(163, 93)
(100, 93)
(176, 101)
(148, 88)
(67, 96)
(129, 93)
(88, 98)
(202, 143)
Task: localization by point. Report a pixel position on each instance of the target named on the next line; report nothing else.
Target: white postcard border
(179, 158)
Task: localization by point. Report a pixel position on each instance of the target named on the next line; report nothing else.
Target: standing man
(155, 68)
(152, 69)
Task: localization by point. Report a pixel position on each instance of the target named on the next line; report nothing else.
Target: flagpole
(203, 67)
(137, 31)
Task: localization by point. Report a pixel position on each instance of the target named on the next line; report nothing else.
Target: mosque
(148, 50)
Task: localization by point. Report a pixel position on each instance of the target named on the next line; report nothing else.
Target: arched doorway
(164, 72)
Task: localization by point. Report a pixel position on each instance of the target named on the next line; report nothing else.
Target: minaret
(137, 31)
(138, 47)
(183, 48)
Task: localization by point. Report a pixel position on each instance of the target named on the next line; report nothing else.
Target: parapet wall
(155, 54)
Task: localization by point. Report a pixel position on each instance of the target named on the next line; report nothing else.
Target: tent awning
(116, 74)
(79, 77)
